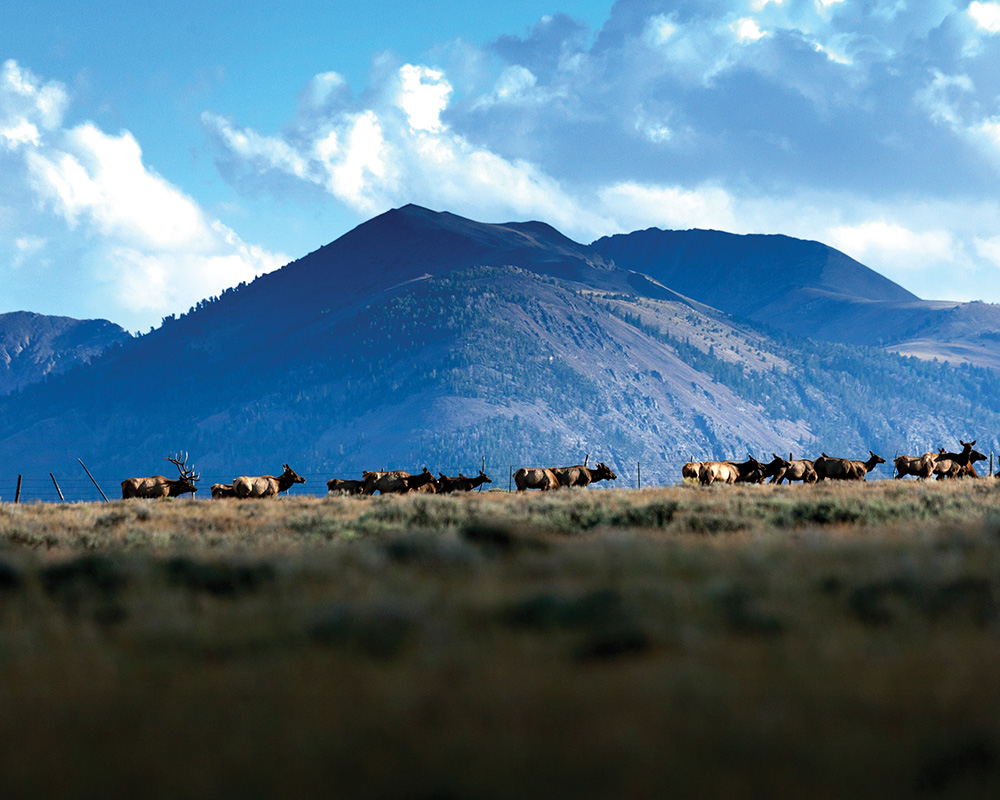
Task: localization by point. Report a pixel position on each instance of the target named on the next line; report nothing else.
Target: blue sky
(152, 157)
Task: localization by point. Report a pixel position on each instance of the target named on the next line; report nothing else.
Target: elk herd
(942, 464)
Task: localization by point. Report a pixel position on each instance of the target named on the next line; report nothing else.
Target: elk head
(187, 477)
(290, 473)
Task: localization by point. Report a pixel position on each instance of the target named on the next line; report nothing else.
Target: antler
(181, 464)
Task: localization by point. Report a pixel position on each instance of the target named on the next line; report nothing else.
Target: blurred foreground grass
(822, 641)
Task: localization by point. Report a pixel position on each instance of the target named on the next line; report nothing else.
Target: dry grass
(808, 641)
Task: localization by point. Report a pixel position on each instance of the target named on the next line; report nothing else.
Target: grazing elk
(266, 485)
(162, 486)
(336, 485)
(844, 469)
(920, 466)
(958, 465)
(727, 471)
(395, 481)
(222, 490)
(535, 478)
(581, 475)
(463, 483)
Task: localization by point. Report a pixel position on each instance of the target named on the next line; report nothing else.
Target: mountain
(33, 346)
(422, 338)
(808, 289)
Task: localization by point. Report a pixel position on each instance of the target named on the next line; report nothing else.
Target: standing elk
(690, 470)
(535, 478)
(581, 475)
(844, 469)
(800, 469)
(958, 465)
(727, 471)
(338, 486)
(920, 466)
(395, 481)
(462, 483)
(162, 486)
(266, 485)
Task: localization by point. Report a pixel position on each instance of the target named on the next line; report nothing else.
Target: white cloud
(401, 151)
(986, 16)
(644, 206)
(746, 29)
(889, 243)
(423, 95)
(85, 204)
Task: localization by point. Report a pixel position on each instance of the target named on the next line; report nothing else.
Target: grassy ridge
(816, 641)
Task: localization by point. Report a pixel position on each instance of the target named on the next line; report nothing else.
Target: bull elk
(162, 486)
(581, 475)
(266, 485)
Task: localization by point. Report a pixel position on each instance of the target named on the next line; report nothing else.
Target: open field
(818, 641)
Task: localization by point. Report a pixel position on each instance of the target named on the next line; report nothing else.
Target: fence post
(510, 478)
(93, 479)
(61, 498)
(638, 474)
(17, 492)
(991, 463)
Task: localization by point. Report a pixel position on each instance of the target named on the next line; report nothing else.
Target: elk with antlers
(162, 486)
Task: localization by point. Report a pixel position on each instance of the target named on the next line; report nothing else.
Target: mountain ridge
(413, 340)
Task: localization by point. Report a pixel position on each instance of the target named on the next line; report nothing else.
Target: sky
(153, 157)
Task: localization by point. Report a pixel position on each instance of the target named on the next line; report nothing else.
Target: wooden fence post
(61, 498)
(17, 492)
(638, 474)
(94, 480)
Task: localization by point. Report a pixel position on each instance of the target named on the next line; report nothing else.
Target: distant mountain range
(34, 346)
(423, 338)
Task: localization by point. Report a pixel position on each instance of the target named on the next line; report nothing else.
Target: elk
(801, 469)
(958, 465)
(266, 485)
(462, 483)
(843, 469)
(222, 490)
(160, 485)
(535, 478)
(690, 470)
(395, 481)
(920, 466)
(581, 475)
(727, 471)
(345, 486)
(775, 466)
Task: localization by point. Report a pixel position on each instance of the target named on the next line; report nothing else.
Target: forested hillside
(537, 362)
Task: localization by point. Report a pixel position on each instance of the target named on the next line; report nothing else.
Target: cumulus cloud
(841, 121)
(102, 233)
